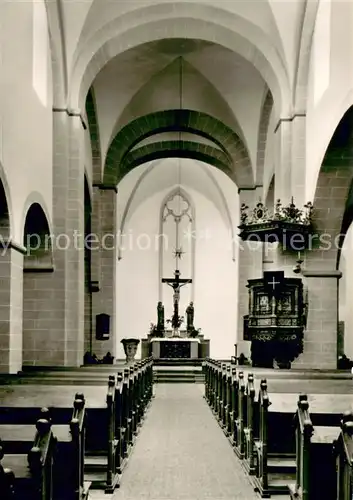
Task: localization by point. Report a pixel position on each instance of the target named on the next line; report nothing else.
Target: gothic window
(177, 245)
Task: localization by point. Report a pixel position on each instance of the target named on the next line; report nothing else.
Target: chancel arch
(231, 154)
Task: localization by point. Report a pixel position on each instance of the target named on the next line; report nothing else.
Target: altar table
(175, 348)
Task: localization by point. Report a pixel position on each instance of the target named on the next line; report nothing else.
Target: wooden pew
(69, 448)
(233, 407)
(30, 475)
(239, 444)
(251, 426)
(275, 449)
(92, 375)
(316, 476)
(343, 453)
(221, 394)
(21, 404)
(127, 404)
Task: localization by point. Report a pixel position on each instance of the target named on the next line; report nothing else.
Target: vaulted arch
(190, 121)
(207, 23)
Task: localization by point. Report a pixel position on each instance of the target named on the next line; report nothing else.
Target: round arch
(330, 117)
(37, 239)
(333, 195)
(35, 198)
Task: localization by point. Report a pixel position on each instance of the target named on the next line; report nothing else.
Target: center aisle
(182, 453)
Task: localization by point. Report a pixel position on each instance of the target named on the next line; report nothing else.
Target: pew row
(261, 426)
(323, 457)
(113, 417)
(93, 375)
(34, 459)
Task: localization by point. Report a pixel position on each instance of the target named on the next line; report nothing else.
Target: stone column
(11, 274)
(75, 258)
(250, 267)
(66, 300)
(104, 301)
(320, 265)
(320, 337)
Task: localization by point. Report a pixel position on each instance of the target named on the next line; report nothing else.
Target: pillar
(11, 274)
(104, 301)
(65, 300)
(250, 267)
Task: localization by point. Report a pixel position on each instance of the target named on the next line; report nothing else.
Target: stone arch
(94, 135)
(186, 149)
(207, 23)
(37, 239)
(178, 121)
(330, 116)
(4, 215)
(332, 201)
(35, 198)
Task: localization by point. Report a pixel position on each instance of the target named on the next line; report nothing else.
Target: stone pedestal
(130, 349)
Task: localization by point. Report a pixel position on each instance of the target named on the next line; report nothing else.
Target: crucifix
(176, 283)
(274, 283)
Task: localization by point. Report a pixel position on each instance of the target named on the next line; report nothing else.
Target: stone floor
(181, 453)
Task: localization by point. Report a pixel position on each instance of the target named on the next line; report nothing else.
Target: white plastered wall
(216, 273)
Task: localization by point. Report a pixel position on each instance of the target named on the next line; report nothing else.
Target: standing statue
(160, 314)
(190, 317)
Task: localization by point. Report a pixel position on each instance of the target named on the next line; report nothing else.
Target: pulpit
(276, 320)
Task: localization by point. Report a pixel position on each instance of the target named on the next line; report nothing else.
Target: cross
(176, 283)
(274, 283)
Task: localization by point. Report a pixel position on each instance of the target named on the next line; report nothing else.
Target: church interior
(176, 241)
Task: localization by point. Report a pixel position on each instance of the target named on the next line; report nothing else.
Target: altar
(175, 348)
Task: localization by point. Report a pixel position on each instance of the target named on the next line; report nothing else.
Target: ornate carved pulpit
(276, 321)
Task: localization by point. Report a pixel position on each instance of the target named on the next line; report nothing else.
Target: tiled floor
(181, 453)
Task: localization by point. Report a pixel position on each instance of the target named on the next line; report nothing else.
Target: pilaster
(11, 274)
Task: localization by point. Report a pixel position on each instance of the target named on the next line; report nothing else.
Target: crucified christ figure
(176, 283)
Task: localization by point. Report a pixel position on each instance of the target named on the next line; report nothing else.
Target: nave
(240, 432)
(181, 453)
